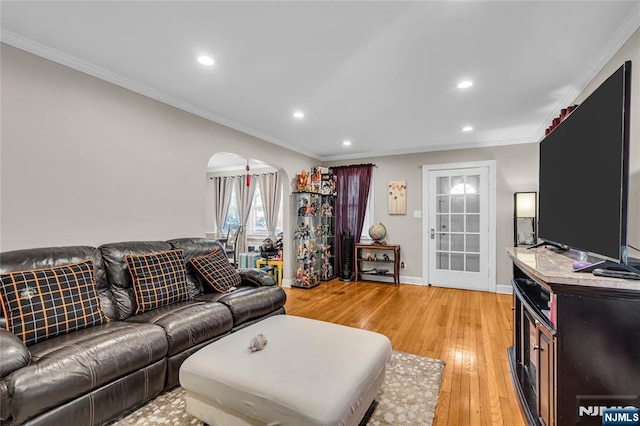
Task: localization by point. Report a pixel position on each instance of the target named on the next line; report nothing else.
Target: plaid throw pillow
(215, 269)
(49, 302)
(159, 279)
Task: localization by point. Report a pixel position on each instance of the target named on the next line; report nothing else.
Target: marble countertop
(552, 267)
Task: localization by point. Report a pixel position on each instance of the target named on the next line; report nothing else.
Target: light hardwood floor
(469, 330)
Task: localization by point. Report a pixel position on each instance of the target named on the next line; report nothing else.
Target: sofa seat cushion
(247, 303)
(188, 323)
(66, 367)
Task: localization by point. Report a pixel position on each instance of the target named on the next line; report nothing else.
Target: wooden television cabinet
(576, 340)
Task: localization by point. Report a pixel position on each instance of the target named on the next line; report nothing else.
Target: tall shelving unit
(314, 238)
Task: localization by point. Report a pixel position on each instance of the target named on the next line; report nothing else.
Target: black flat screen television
(584, 173)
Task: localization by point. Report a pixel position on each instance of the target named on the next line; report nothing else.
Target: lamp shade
(525, 204)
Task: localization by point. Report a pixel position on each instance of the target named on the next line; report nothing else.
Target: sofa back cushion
(119, 277)
(196, 247)
(39, 258)
(214, 268)
(159, 279)
(43, 303)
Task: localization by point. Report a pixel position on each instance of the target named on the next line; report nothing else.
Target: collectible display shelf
(314, 238)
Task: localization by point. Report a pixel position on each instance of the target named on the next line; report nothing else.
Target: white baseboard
(500, 288)
(504, 289)
(412, 280)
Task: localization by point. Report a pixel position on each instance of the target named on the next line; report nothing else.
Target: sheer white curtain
(244, 195)
(271, 194)
(222, 190)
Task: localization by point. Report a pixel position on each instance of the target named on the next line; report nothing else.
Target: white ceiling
(381, 74)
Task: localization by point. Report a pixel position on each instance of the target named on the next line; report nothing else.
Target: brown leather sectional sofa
(95, 375)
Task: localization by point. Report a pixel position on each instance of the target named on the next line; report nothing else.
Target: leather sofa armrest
(255, 278)
(13, 353)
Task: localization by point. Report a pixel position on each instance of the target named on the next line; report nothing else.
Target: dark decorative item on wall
(524, 213)
(378, 232)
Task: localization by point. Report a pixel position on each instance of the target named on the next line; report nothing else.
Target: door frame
(491, 166)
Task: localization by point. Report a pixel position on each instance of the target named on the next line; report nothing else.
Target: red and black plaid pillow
(159, 279)
(215, 269)
(44, 303)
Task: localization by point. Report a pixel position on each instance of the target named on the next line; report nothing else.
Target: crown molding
(437, 148)
(85, 67)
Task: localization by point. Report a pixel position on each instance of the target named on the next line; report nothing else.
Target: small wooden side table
(378, 254)
(277, 268)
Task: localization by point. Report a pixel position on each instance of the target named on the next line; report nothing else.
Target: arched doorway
(258, 203)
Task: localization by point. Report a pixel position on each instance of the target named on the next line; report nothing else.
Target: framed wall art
(397, 197)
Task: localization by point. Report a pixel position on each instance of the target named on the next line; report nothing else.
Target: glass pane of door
(457, 223)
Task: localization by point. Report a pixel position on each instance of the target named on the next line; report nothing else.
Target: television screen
(583, 173)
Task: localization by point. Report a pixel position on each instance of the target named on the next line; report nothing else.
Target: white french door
(458, 228)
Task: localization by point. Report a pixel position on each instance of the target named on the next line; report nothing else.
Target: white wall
(86, 162)
(516, 170)
(630, 50)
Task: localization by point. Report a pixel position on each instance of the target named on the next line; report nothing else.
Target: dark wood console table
(576, 340)
(376, 255)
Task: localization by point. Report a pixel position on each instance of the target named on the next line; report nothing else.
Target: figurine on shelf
(308, 231)
(327, 210)
(304, 208)
(367, 256)
(302, 181)
(315, 177)
(328, 186)
(313, 208)
(385, 256)
(299, 276)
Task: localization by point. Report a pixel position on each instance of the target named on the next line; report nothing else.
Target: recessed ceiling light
(346, 143)
(205, 60)
(467, 128)
(465, 84)
(298, 114)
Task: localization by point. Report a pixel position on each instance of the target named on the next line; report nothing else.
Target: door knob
(433, 233)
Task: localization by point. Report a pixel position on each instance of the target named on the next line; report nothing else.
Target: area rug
(408, 396)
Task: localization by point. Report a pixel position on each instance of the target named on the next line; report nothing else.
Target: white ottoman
(309, 373)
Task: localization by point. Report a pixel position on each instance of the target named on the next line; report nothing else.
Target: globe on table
(377, 232)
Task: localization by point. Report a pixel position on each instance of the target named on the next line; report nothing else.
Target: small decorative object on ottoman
(312, 373)
(257, 343)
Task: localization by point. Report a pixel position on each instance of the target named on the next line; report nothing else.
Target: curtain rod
(241, 176)
(353, 165)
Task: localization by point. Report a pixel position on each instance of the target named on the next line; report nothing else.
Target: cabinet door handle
(536, 348)
(432, 234)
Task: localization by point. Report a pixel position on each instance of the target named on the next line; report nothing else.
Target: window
(368, 216)
(256, 224)
(233, 217)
